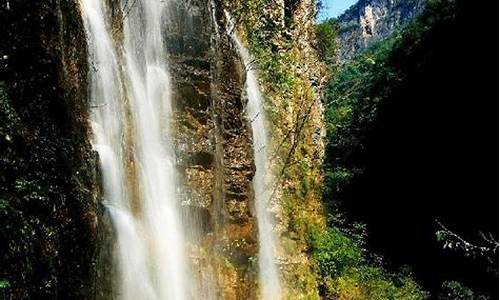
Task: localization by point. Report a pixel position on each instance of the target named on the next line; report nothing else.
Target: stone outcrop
(369, 21)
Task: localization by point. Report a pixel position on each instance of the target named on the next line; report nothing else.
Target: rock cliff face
(369, 21)
(280, 35)
(215, 150)
(48, 175)
(214, 138)
(44, 83)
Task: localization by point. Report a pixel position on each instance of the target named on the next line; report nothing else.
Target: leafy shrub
(453, 290)
(371, 283)
(334, 252)
(4, 284)
(346, 274)
(326, 33)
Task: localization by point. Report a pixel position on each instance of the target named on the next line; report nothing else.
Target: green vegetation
(4, 284)
(347, 273)
(334, 252)
(24, 200)
(326, 33)
(453, 290)
(352, 100)
(486, 251)
(353, 97)
(47, 198)
(357, 88)
(39, 205)
(371, 283)
(345, 269)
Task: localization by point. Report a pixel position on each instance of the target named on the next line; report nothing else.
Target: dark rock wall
(47, 169)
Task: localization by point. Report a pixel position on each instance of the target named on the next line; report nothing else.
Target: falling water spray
(269, 276)
(130, 117)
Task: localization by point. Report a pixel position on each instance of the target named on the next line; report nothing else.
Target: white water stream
(131, 114)
(269, 276)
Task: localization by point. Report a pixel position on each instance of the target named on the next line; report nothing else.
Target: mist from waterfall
(130, 116)
(269, 276)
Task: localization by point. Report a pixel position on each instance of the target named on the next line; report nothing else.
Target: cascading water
(269, 276)
(131, 114)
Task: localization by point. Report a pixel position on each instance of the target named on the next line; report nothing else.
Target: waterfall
(130, 116)
(269, 276)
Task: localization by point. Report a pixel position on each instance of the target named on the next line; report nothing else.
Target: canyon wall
(60, 242)
(370, 21)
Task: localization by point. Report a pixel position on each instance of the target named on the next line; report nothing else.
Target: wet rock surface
(214, 147)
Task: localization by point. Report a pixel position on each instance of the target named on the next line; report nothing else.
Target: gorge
(242, 149)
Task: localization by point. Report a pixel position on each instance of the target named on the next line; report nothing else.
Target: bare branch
(453, 241)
